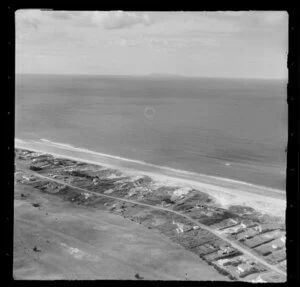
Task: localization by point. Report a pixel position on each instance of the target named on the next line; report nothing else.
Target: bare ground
(54, 239)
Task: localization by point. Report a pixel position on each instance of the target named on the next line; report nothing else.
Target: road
(215, 232)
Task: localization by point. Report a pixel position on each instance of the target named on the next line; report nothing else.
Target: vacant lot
(54, 239)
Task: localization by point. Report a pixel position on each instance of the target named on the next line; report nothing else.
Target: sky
(243, 44)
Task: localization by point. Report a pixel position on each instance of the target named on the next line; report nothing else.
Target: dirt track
(234, 244)
(57, 240)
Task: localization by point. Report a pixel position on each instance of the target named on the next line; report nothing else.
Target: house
(235, 261)
(223, 261)
(28, 178)
(108, 191)
(283, 239)
(131, 192)
(86, 195)
(207, 213)
(246, 234)
(278, 243)
(258, 279)
(181, 227)
(234, 229)
(195, 227)
(225, 250)
(244, 267)
(249, 223)
(258, 228)
(243, 225)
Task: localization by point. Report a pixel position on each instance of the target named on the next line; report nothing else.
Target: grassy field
(55, 239)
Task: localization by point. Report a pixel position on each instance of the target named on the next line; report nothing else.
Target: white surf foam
(70, 147)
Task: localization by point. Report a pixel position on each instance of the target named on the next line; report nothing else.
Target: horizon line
(152, 75)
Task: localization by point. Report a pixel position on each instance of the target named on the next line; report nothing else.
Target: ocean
(229, 128)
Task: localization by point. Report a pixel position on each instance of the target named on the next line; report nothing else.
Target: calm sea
(235, 129)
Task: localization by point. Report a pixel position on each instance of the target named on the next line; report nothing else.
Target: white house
(258, 228)
(258, 279)
(244, 267)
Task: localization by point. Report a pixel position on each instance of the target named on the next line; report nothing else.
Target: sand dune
(225, 191)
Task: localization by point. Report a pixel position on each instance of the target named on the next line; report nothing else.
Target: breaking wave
(70, 147)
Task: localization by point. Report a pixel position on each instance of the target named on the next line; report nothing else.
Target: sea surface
(231, 128)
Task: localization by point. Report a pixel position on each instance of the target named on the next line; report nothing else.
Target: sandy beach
(212, 222)
(150, 145)
(226, 192)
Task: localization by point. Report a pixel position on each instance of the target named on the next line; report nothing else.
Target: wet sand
(226, 192)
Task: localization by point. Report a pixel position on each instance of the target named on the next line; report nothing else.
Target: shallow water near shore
(234, 129)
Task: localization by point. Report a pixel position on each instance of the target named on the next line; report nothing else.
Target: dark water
(230, 128)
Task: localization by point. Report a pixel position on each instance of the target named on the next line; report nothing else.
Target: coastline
(242, 236)
(226, 192)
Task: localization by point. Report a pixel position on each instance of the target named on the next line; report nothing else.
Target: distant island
(166, 75)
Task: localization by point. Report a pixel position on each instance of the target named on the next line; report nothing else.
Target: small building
(164, 204)
(244, 267)
(182, 227)
(258, 279)
(278, 243)
(249, 232)
(86, 195)
(223, 261)
(258, 228)
(28, 178)
(243, 225)
(108, 191)
(225, 250)
(249, 223)
(234, 229)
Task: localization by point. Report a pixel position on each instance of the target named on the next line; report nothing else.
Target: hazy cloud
(60, 15)
(123, 42)
(118, 19)
(27, 19)
(275, 17)
(198, 43)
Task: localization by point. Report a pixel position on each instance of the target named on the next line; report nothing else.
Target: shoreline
(237, 234)
(128, 161)
(262, 199)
